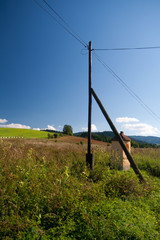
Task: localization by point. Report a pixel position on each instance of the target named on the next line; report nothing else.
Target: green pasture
(25, 133)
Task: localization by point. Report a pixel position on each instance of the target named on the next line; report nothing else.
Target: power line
(128, 89)
(80, 40)
(58, 15)
(71, 31)
(126, 49)
(77, 37)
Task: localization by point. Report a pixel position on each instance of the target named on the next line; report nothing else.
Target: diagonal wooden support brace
(131, 160)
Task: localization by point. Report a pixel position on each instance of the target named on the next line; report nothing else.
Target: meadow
(47, 192)
(22, 133)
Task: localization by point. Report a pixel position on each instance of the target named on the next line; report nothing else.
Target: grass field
(47, 192)
(25, 133)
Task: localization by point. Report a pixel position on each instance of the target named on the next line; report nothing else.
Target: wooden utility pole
(131, 160)
(89, 155)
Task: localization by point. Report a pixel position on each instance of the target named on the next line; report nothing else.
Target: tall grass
(48, 193)
(148, 160)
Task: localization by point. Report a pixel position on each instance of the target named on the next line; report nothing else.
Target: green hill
(22, 133)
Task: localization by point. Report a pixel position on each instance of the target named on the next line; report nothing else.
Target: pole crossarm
(131, 160)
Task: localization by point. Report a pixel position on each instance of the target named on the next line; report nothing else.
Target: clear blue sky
(44, 70)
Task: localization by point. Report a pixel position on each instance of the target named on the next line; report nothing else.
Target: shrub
(50, 136)
(55, 135)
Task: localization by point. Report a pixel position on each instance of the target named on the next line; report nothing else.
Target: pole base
(90, 160)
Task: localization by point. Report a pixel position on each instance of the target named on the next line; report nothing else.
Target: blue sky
(44, 70)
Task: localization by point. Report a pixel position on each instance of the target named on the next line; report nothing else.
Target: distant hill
(148, 139)
(107, 136)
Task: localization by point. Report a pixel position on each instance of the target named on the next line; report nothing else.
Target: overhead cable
(67, 27)
(128, 89)
(126, 49)
(58, 15)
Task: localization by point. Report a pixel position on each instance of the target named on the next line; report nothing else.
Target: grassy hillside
(25, 133)
(47, 192)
